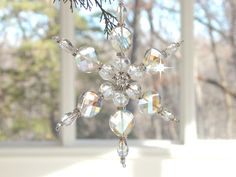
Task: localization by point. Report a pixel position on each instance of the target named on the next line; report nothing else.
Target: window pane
(215, 32)
(157, 25)
(29, 68)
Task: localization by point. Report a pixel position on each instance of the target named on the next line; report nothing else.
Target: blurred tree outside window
(29, 70)
(215, 66)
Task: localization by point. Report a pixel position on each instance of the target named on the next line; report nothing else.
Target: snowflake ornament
(121, 83)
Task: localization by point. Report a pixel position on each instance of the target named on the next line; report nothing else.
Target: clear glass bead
(121, 123)
(150, 103)
(167, 115)
(68, 119)
(106, 72)
(152, 58)
(121, 64)
(136, 72)
(106, 89)
(120, 39)
(121, 14)
(86, 60)
(134, 90)
(171, 49)
(66, 45)
(120, 99)
(90, 104)
(123, 148)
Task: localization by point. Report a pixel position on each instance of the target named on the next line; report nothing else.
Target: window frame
(188, 125)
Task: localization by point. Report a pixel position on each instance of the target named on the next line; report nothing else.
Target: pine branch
(109, 19)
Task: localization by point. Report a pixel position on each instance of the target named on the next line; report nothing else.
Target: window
(29, 68)
(215, 68)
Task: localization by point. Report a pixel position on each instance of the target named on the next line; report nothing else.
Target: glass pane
(29, 70)
(215, 68)
(157, 25)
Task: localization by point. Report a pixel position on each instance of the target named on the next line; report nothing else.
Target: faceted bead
(167, 115)
(106, 89)
(121, 39)
(171, 49)
(66, 45)
(136, 72)
(134, 90)
(68, 119)
(121, 14)
(121, 123)
(150, 102)
(123, 148)
(120, 99)
(121, 64)
(106, 72)
(90, 104)
(86, 60)
(152, 58)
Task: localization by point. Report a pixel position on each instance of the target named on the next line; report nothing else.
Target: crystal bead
(68, 119)
(120, 39)
(167, 115)
(152, 58)
(120, 99)
(66, 45)
(121, 123)
(90, 104)
(106, 89)
(121, 14)
(86, 60)
(171, 49)
(121, 64)
(134, 90)
(136, 72)
(106, 72)
(150, 102)
(123, 148)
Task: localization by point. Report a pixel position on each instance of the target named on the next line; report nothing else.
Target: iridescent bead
(134, 90)
(136, 72)
(152, 58)
(106, 72)
(66, 45)
(121, 14)
(68, 119)
(121, 123)
(90, 104)
(106, 89)
(86, 60)
(121, 64)
(150, 102)
(120, 99)
(167, 115)
(121, 39)
(171, 49)
(123, 148)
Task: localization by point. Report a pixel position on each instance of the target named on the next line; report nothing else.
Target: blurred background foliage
(30, 67)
